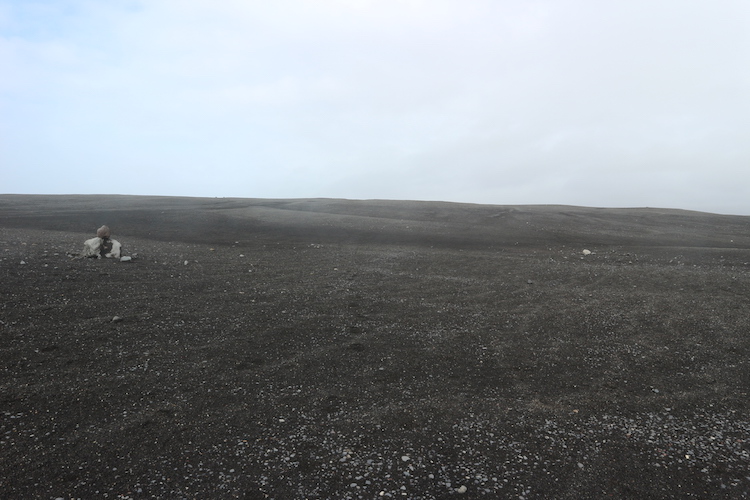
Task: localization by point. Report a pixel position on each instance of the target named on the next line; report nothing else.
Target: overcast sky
(597, 103)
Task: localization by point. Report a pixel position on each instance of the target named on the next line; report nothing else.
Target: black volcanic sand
(368, 349)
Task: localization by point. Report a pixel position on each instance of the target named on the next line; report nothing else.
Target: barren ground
(342, 349)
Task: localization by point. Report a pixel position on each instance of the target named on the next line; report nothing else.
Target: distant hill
(225, 220)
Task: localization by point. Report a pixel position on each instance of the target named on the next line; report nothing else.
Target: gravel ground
(341, 349)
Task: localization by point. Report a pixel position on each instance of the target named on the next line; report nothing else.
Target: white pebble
(462, 489)
(405, 458)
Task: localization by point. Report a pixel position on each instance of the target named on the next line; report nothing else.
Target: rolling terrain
(321, 348)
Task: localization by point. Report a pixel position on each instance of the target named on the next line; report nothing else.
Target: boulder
(103, 232)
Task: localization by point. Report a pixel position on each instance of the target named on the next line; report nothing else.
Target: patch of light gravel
(476, 457)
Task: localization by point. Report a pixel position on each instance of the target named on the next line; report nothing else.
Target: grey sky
(617, 103)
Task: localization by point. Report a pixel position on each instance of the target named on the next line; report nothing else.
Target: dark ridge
(226, 220)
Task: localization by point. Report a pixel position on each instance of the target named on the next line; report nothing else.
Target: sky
(622, 103)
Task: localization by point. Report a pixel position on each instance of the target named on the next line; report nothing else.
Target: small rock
(405, 458)
(462, 489)
(116, 319)
(23, 262)
(586, 252)
(185, 263)
(580, 465)
(125, 259)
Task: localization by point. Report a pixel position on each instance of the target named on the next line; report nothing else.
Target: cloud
(577, 101)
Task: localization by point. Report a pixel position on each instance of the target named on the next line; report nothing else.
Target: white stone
(91, 248)
(586, 252)
(125, 259)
